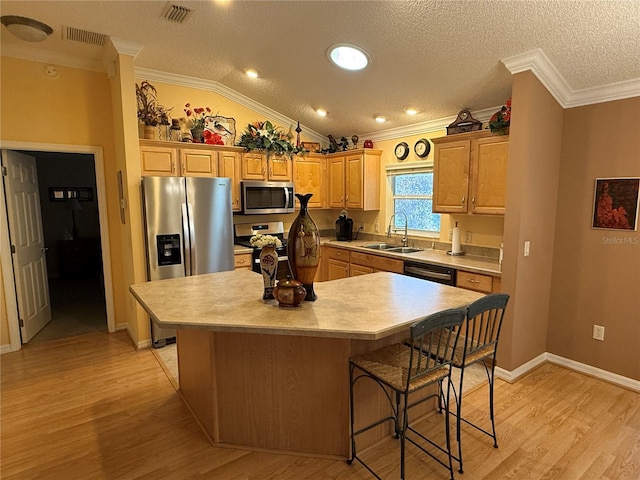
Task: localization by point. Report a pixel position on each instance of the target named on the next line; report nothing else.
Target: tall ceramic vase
(269, 269)
(303, 247)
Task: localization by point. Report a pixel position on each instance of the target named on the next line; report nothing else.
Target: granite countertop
(484, 265)
(239, 249)
(367, 307)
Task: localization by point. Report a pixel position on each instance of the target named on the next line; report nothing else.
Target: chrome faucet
(405, 238)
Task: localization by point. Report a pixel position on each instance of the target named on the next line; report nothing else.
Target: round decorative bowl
(289, 293)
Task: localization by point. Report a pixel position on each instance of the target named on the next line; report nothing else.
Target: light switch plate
(527, 246)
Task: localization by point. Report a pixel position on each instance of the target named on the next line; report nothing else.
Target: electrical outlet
(377, 227)
(598, 332)
(527, 247)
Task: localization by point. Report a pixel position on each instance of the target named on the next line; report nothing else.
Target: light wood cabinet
(370, 263)
(309, 173)
(354, 179)
(255, 166)
(174, 159)
(355, 270)
(470, 172)
(477, 282)
(198, 163)
(229, 166)
(157, 160)
(242, 261)
(337, 263)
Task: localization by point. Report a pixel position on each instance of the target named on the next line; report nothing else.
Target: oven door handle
(427, 273)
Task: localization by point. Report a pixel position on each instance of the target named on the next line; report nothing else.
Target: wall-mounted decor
(61, 194)
(615, 203)
(224, 127)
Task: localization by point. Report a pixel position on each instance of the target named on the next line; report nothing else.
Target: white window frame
(406, 169)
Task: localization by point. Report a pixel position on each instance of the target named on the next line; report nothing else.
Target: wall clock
(402, 150)
(422, 147)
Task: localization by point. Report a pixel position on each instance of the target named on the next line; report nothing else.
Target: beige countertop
(367, 307)
(239, 249)
(468, 263)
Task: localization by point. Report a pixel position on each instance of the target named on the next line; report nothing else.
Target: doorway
(71, 227)
(74, 221)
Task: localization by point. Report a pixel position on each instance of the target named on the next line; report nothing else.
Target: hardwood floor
(91, 407)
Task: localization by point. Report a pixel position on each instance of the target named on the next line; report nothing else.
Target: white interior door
(25, 231)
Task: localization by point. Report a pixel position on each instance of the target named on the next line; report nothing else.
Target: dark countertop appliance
(344, 227)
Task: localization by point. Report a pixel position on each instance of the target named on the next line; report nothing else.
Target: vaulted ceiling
(440, 56)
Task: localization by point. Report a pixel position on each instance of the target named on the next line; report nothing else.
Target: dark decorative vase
(303, 247)
(269, 269)
(197, 134)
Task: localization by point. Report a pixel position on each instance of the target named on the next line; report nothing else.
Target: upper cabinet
(171, 159)
(255, 166)
(470, 172)
(354, 179)
(309, 172)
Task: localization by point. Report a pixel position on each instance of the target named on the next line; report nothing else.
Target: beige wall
(596, 273)
(532, 190)
(73, 109)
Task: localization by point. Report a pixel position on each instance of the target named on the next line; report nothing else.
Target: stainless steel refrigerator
(189, 231)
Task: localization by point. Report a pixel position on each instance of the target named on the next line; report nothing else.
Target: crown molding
(537, 62)
(44, 56)
(213, 86)
(125, 47)
(426, 127)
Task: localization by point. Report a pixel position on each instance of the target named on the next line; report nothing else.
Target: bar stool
(478, 343)
(401, 370)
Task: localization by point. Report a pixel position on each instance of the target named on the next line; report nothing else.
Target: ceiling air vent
(176, 13)
(84, 36)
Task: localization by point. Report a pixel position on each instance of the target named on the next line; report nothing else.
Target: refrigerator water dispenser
(168, 249)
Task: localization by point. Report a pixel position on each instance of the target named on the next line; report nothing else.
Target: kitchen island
(265, 377)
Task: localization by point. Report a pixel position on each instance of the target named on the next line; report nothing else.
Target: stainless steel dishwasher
(434, 273)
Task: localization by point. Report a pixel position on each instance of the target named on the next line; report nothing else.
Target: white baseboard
(140, 345)
(6, 348)
(513, 375)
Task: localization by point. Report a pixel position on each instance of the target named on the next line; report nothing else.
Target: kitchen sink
(403, 249)
(382, 246)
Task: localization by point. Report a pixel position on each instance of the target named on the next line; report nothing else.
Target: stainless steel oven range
(242, 236)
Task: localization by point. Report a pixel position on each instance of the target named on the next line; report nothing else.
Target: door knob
(44, 249)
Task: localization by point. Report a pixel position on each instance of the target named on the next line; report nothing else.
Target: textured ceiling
(441, 56)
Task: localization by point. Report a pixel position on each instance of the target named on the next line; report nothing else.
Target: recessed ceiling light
(410, 110)
(380, 118)
(26, 28)
(251, 73)
(348, 57)
(321, 112)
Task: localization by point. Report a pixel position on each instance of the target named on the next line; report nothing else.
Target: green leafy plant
(150, 112)
(270, 139)
(196, 116)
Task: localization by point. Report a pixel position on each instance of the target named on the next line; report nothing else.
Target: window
(413, 196)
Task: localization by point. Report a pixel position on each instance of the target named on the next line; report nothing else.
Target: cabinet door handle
(463, 200)
(470, 280)
(473, 201)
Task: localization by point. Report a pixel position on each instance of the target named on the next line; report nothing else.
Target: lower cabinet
(242, 261)
(477, 282)
(337, 263)
(364, 263)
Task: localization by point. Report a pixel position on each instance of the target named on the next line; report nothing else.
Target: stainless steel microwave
(267, 197)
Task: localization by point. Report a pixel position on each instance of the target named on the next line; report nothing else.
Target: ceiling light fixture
(380, 118)
(251, 73)
(348, 57)
(409, 110)
(26, 28)
(321, 112)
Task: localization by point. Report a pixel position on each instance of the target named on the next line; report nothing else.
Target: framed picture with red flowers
(222, 131)
(615, 203)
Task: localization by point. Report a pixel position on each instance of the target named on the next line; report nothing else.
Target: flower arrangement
(196, 116)
(150, 112)
(273, 140)
(265, 241)
(501, 120)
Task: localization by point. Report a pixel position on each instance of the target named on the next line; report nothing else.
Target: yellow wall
(73, 109)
